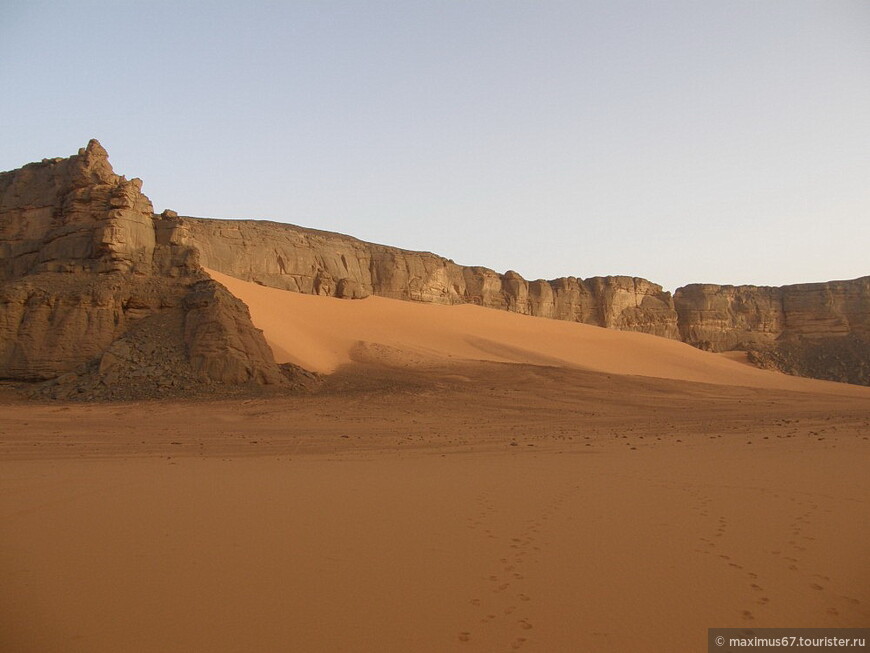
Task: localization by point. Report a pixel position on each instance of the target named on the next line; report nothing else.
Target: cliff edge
(99, 296)
(98, 293)
(821, 330)
(323, 263)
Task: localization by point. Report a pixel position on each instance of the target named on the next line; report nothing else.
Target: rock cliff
(781, 326)
(98, 293)
(95, 290)
(820, 330)
(720, 318)
(317, 262)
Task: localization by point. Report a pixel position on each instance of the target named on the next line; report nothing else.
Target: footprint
(524, 624)
(518, 642)
(523, 597)
(464, 636)
(747, 615)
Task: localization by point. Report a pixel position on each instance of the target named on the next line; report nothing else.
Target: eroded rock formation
(323, 263)
(820, 330)
(95, 289)
(776, 324)
(721, 318)
(97, 292)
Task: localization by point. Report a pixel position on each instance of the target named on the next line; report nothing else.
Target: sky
(715, 142)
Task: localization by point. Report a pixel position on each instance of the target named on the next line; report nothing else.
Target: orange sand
(432, 498)
(322, 333)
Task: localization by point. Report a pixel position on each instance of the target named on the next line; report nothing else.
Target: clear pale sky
(709, 141)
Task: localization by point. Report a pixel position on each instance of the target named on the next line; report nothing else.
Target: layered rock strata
(93, 283)
(821, 330)
(90, 278)
(322, 263)
(721, 318)
(712, 317)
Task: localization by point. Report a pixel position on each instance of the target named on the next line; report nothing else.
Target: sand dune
(473, 481)
(323, 333)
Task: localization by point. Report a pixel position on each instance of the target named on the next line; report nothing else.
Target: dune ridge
(323, 333)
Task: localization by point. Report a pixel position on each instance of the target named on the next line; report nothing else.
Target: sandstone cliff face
(90, 278)
(73, 215)
(221, 342)
(787, 328)
(720, 318)
(322, 263)
(97, 292)
(821, 330)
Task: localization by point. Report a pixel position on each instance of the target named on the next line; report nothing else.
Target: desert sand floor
(487, 508)
(440, 501)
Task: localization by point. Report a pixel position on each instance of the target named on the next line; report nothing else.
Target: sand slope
(323, 333)
(518, 508)
(433, 498)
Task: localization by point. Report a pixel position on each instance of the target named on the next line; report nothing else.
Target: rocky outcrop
(793, 328)
(821, 330)
(74, 215)
(721, 318)
(845, 358)
(221, 343)
(97, 292)
(93, 284)
(322, 263)
(773, 323)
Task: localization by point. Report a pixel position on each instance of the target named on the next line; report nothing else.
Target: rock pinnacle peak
(94, 149)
